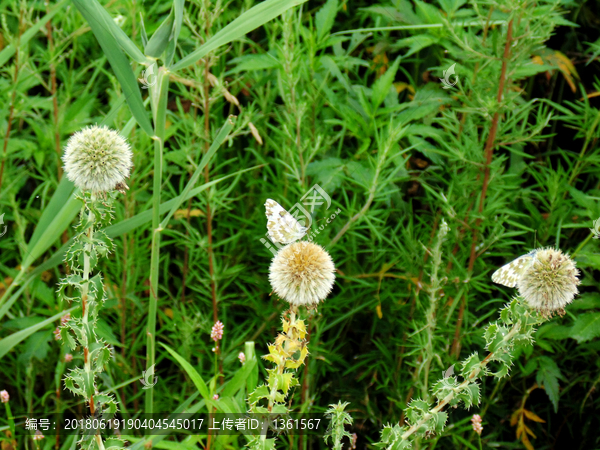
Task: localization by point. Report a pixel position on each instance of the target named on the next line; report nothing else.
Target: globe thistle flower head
(97, 159)
(302, 273)
(550, 282)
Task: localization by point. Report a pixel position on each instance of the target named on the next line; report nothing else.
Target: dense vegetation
(409, 115)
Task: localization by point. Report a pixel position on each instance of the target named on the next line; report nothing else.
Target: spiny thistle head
(550, 283)
(97, 159)
(302, 273)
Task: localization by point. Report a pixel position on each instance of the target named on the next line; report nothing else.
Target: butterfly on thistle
(282, 227)
(510, 274)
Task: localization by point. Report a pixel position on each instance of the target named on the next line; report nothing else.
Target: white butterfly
(281, 225)
(509, 274)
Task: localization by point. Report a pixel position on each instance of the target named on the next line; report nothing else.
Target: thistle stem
(476, 370)
(85, 309)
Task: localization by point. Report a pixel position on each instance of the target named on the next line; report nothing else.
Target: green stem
(472, 376)
(158, 94)
(428, 353)
(90, 338)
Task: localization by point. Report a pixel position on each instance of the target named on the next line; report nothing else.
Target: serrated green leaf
(547, 376)
(325, 17)
(586, 327)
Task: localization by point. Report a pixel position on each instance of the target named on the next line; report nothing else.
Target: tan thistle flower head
(302, 273)
(550, 283)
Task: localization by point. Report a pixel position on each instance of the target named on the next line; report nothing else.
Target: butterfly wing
(281, 225)
(509, 274)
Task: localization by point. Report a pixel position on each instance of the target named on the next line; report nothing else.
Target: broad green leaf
(118, 61)
(325, 17)
(250, 354)
(250, 20)
(246, 63)
(178, 11)
(428, 13)
(586, 327)
(192, 373)
(382, 86)
(239, 379)
(95, 8)
(548, 375)
(10, 50)
(9, 342)
(59, 199)
(61, 218)
(227, 405)
(160, 39)
(416, 43)
(329, 173)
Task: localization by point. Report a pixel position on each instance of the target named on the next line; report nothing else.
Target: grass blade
(178, 10)
(10, 50)
(221, 136)
(192, 373)
(9, 342)
(239, 379)
(118, 61)
(112, 232)
(253, 18)
(96, 9)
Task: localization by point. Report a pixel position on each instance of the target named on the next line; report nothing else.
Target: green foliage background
(363, 114)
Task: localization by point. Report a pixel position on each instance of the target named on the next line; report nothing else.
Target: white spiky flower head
(302, 273)
(97, 159)
(550, 283)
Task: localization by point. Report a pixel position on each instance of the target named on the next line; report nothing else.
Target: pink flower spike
(242, 358)
(38, 435)
(4, 397)
(216, 333)
(476, 421)
(65, 319)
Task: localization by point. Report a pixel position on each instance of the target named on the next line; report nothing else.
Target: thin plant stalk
(158, 94)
